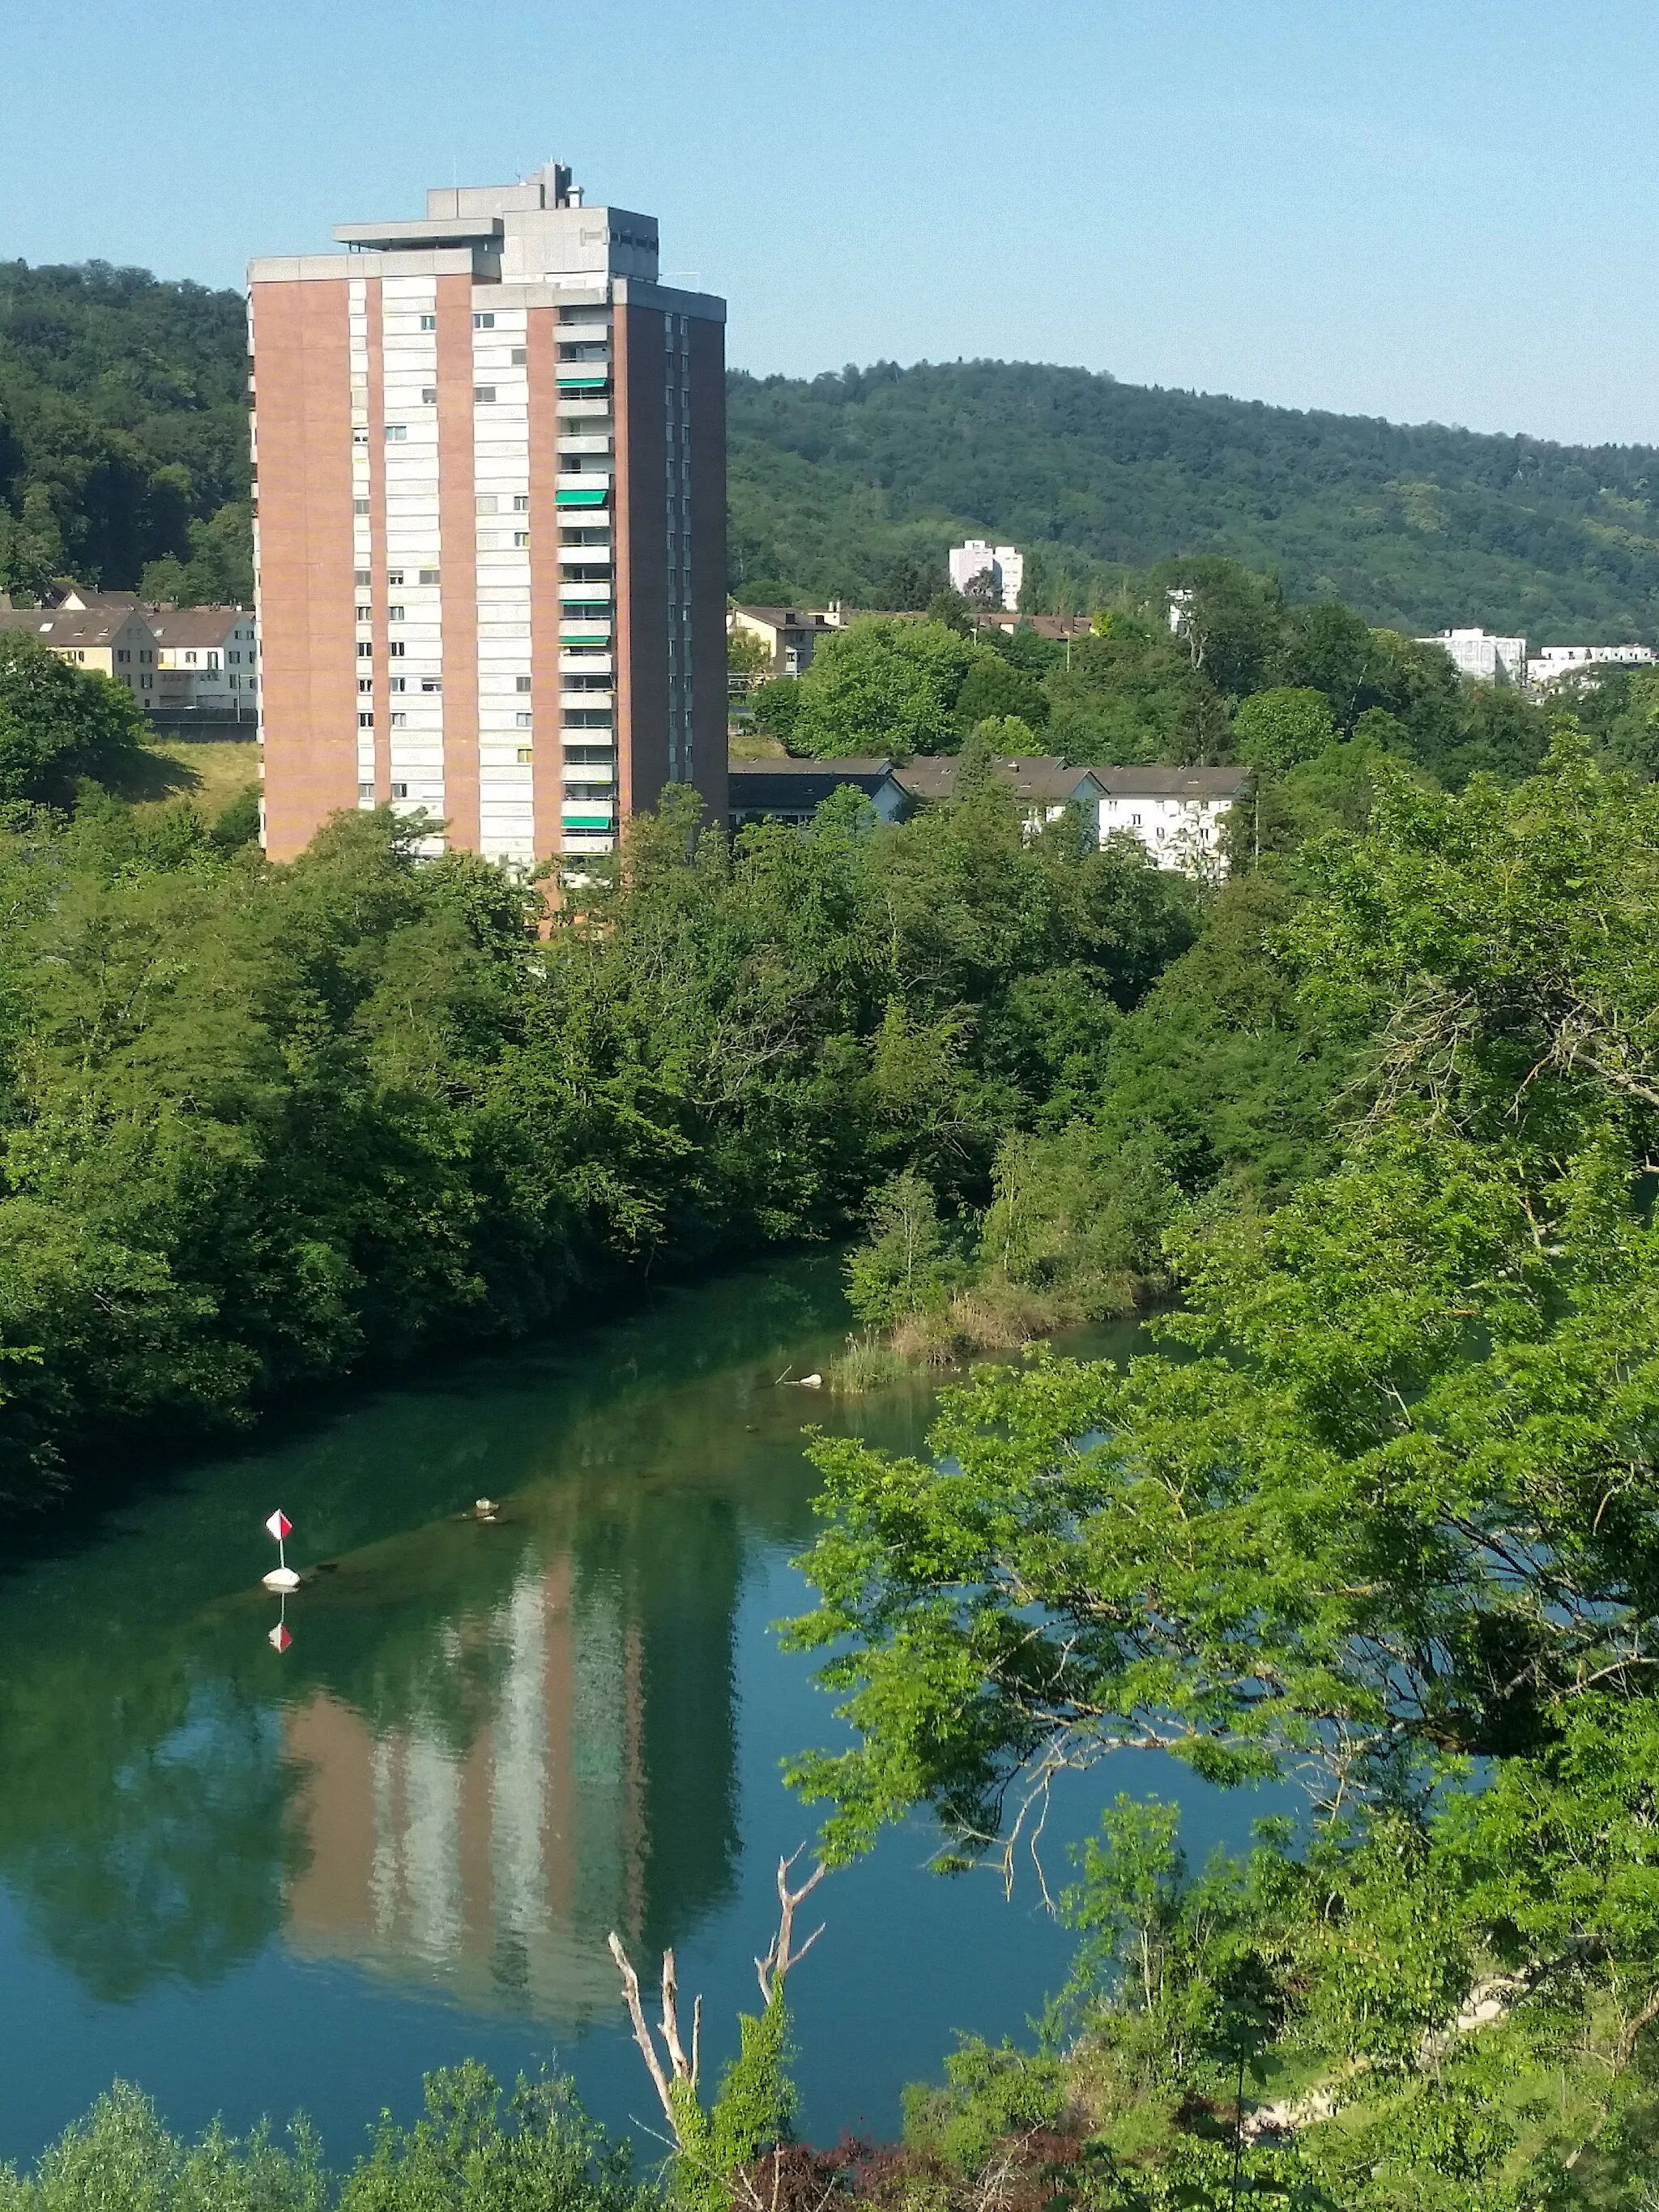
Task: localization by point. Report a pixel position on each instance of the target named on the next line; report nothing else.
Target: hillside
(123, 431)
(835, 479)
(123, 450)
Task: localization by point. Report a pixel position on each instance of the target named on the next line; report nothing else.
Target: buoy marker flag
(281, 1636)
(281, 1576)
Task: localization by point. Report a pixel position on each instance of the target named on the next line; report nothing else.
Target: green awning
(568, 496)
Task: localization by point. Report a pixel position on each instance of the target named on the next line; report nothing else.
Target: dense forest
(123, 461)
(838, 481)
(124, 450)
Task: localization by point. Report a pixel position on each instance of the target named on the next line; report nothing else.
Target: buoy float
(485, 1509)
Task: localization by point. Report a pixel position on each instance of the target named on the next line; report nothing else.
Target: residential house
(1177, 813)
(115, 641)
(789, 633)
(206, 657)
(794, 790)
(1042, 786)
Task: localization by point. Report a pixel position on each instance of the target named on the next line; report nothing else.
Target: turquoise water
(253, 1881)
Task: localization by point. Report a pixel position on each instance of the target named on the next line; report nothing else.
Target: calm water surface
(253, 1881)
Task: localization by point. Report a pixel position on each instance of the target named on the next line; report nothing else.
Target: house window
(428, 322)
(483, 394)
(123, 653)
(394, 614)
(524, 721)
(520, 356)
(394, 577)
(366, 721)
(396, 432)
(396, 648)
(364, 580)
(144, 655)
(399, 683)
(365, 648)
(365, 791)
(521, 539)
(144, 681)
(429, 395)
(521, 683)
(521, 502)
(359, 506)
(483, 322)
(400, 791)
(365, 614)
(429, 575)
(525, 756)
(364, 683)
(399, 721)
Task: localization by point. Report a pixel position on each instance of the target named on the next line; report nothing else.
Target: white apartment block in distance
(1479, 653)
(1004, 564)
(490, 535)
(1551, 662)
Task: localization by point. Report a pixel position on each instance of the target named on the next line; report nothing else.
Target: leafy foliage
(123, 432)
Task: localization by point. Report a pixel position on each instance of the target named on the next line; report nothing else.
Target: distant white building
(1478, 653)
(1177, 813)
(1554, 661)
(1005, 563)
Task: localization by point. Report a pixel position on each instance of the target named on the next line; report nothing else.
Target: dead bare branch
(780, 1959)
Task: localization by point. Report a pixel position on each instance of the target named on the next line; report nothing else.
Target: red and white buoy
(281, 1576)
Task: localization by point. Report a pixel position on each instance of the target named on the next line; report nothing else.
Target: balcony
(583, 488)
(597, 662)
(589, 630)
(585, 442)
(574, 409)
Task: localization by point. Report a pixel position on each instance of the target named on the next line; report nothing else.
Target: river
(254, 1881)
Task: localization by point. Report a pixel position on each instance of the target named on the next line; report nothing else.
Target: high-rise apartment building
(490, 452)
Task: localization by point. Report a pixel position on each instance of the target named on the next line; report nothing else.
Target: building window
(429, 395)
(521, 502)
(359, 506)
(366, 721)
(483, 394)
(364, 683)
(523, 721)
(429, 575)
(485, 503)
(365, 791)
(361, 437)
(123, 653)
(432, 684)
(396, 432)
(365, 648)
(400, 722)
(428, 322)
(394, 614)
(521, 683)
(144, 655)
(144, 681)
(365, 614)
(396, 648)
(521, 539)
(483, 322)
(525, 756)
(400, 791)
(520, 356)
(399, 683)
(394, 577)
(364, 580)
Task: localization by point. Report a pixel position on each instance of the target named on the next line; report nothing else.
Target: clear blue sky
(1445, 211)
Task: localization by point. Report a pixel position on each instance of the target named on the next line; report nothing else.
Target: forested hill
(123, 461)
(123, 432)
(836, 480)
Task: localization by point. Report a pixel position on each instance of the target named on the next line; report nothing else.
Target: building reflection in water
(494, 1866)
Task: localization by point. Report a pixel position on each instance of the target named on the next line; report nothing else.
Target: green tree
(883, 688)
(1282, 728)
(58, 723)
